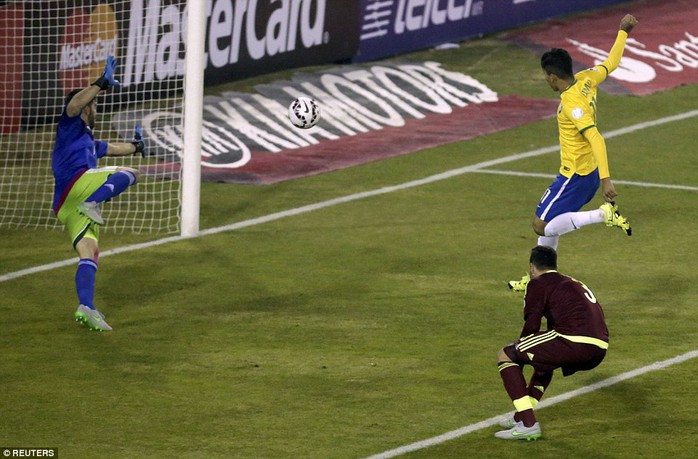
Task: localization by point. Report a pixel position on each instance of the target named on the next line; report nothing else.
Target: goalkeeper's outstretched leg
(114, 185)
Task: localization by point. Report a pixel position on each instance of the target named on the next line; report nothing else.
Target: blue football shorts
(567, 195)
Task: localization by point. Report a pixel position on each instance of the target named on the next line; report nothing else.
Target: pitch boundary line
(352, 197)
(622, 182)
(545, 403)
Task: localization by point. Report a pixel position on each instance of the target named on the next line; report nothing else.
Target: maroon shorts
(546, 352)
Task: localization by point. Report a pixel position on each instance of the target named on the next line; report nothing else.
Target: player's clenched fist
(628, 22)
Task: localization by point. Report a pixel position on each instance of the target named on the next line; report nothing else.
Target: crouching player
(576, 340)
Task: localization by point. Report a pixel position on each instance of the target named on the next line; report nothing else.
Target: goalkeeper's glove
(138, 142)
(107, 80)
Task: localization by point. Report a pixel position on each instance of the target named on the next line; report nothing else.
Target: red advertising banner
(436, 129)
(11, 65)
(368, 113)
(660, 53)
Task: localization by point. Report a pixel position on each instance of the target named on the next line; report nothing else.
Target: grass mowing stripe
(545, 403)
(349, 198)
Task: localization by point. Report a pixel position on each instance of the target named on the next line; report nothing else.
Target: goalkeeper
(80, 186)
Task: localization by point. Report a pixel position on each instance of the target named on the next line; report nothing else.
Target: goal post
(193, 117)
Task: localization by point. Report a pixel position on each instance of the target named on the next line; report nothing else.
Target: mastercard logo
(89, 37)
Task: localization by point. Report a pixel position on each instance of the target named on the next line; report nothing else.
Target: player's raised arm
(84, 97)
(80, 100)
(626, 25)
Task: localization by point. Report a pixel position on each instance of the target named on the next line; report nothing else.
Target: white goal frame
(193, 118)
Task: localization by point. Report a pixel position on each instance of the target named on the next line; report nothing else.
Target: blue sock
(114, 186)
(85, 281)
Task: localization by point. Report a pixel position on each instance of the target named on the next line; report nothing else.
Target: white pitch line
(551, 401)
(352, 197)
(622, 182)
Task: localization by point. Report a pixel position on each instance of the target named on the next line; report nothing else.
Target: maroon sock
(527, 417)
(513, 379)
(539, 383)
(515, 385)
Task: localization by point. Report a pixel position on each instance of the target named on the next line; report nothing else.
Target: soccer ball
(304, 112)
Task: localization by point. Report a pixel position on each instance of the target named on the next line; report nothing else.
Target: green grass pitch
(362, 327)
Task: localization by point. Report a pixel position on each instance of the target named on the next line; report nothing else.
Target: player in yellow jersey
(582, 149)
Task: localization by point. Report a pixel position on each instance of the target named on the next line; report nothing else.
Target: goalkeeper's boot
(91, 210)
(614, 218)
(519, 285)
(91, 318)
(520, 432)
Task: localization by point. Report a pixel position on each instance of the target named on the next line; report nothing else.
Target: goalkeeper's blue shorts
(567, 194)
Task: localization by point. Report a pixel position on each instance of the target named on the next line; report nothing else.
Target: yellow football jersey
(577, 113)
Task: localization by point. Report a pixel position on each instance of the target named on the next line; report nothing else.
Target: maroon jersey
(569, 307)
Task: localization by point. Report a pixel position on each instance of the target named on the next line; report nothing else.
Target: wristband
(102, 82)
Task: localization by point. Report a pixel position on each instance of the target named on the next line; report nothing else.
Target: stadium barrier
(243, 39)
(395, 27)
(49, 48)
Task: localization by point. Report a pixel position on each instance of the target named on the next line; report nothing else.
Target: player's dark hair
(558, 62)
(70, 96)
(543, 257)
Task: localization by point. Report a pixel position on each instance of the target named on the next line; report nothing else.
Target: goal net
(47, 49)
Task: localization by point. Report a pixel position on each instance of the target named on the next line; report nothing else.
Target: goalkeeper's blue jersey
(75, 151)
